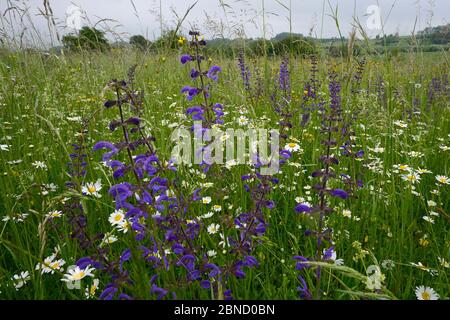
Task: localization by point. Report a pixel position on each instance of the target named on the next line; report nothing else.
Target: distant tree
(437, 35)
(168, 40)
(388, 40)
(284, 35)
(257, 47)
(391, 39)
(87, 38)
(139, 42)
(296, 45)
(71, 42)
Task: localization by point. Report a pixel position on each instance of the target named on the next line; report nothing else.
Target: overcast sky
(242, 17)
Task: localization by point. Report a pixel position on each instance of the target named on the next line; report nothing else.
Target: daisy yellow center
(423, 268)
(442, 179)
(93, 288)
(403, 167)
(292, 145)
(411, 177)
(425, 295)
(78, 276)
(54, 265)
(92, 189)
(118, 217)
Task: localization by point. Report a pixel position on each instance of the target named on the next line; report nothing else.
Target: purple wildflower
(106, 145)
(185, 58)
(339, 193)
(212, 73)
(301, 207)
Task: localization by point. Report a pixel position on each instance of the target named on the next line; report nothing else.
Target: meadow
(359, 209)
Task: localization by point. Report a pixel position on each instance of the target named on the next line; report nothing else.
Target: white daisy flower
(213, 228)
(411, 177)
(90, 291)
(50, 265)
(299, 199)
(116, 218)
(207, 215)
(206, 200)
(431, 203)
(422, 171)
(92, 188)
(443, 263)
(109, 238)
(428, 219)
(443, 179)
(347, 213)
(124, 226)
(292, 147)
(39, 165)
(401, 124)
(217, 207)
(426, 293)
(402, 167)
(242, 120)
(20, 279)
(76, 274)
(54, 214)
(211, 253)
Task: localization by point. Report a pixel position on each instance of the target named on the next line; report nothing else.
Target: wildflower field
(93, 204)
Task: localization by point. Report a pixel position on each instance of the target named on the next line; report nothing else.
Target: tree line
(89, 38)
